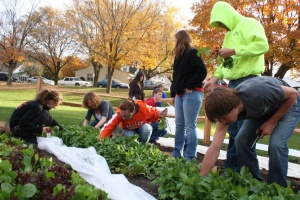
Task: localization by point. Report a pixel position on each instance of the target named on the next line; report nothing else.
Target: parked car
(4, 77)
(115, 83)
(74, 81)
(149, 85)
(35, 78)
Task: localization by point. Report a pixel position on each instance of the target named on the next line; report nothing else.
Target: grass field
(12, 96)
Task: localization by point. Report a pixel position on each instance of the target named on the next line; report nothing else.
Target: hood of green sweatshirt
(224, 13)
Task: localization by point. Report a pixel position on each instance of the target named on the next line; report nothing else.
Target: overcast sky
(183, 5)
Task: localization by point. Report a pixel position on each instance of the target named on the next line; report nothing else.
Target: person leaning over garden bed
(101, 110)
(268, 105)
(32, 118)
(134, 118)
(246, 43)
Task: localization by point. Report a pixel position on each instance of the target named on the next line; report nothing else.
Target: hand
(210, 84)
(163, 113)
(46, 130)
(266, 129)
(173, 101)
(225, 52)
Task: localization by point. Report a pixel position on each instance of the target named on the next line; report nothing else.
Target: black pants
(42, 119)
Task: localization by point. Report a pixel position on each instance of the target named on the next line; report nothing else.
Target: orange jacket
(145, 114)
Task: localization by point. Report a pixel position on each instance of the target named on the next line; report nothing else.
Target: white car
(35, 78)
(74, 81)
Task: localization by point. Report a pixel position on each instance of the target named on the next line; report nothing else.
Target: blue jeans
(278, 148)
(233, 129)
(95, 122)
(144, 132)
(156, 133)
(187, 109)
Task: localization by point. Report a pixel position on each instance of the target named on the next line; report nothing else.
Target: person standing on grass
(101, 110)
(189, 71)
(269, 106)
(156, 132)
(163, 95)
(136, 87)
(32, 118)
(134, 117)
(246, 43)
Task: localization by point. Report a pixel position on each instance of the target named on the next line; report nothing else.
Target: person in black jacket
(136, 87)
(32, 118)
(189, 71)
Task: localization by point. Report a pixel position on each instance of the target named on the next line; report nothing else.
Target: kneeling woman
(32, 118)
(101, 110)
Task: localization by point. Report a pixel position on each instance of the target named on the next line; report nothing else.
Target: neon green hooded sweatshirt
(245, 35)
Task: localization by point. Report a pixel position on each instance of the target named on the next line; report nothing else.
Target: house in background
(18, 72)
(88, 74)
(126, 75)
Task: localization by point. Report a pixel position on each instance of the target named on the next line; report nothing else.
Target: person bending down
(32, 118)
(268, 105)
(101, 110)
(134, 118)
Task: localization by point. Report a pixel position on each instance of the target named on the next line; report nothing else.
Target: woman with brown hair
(101, 110)
(189, 71)
(136, 87)
(32, 118)
(134, 117)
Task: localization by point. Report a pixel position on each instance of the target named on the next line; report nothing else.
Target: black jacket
(188, 72)
(136, 91)
(28, 116)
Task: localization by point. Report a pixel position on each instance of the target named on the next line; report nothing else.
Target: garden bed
(152, 189)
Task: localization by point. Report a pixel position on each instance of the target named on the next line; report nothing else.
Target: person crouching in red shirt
(134, 117)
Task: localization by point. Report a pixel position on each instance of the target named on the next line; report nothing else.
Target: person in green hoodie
(246, 43)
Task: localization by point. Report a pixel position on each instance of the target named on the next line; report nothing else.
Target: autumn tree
(155, 54)
(279, 18)
(72, 66)
(85, 32)
(15, 26)
(52, 42)
(32, 68)
(121, 27)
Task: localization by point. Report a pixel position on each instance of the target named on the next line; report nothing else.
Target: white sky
(183, 5)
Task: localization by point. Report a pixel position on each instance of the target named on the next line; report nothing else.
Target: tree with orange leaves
(281, 20)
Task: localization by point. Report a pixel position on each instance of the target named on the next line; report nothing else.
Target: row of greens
(25, 174)
(176, 178)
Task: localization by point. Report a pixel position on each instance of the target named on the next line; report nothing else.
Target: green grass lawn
(11, 98)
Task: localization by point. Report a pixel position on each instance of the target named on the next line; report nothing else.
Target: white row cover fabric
(94, 169)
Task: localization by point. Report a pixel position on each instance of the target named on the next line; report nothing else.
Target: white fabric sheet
(94, 169)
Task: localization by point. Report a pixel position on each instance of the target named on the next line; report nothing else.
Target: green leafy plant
(222, 62)
(162, 124)
(25, 174)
